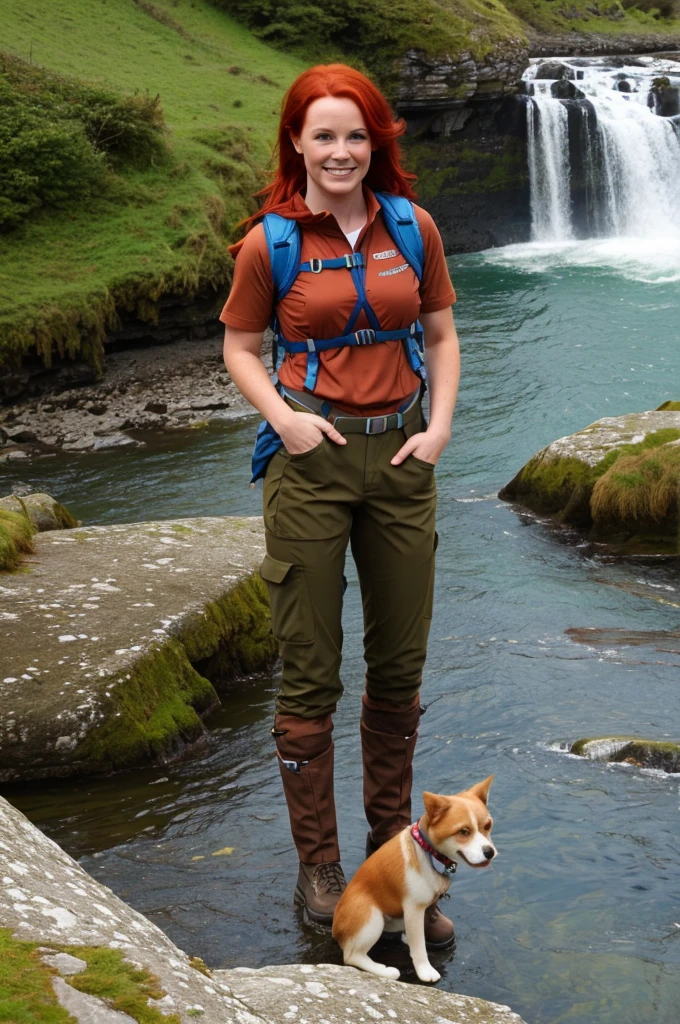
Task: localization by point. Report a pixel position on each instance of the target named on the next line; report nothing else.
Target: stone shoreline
(163, 387)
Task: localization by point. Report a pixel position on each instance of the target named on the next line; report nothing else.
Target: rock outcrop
(618, 480)
(44, 511)
(61, 926)
(119, 638)
(659, 754)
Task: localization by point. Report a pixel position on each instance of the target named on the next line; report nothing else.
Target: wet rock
(99, 642)
(20, 433)
(44, 511)
(49, 901)
(115, 440)
(566, 90)
(659, 754)
(336, 995)
(136, 392)
(615, 480)
(554, 70)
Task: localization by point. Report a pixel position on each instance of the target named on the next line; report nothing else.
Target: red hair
(385, 173)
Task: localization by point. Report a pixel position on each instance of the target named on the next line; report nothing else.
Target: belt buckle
(380, 429)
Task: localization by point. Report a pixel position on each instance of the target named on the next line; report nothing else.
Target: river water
(579, 918)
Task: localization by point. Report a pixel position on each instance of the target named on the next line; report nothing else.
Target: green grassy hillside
(131, 230)
(66, 272)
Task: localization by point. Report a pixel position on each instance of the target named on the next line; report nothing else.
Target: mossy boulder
(68, 945)
(618, 480)
(120, 638)
(659, 754)
(16, 538)
(45, 512)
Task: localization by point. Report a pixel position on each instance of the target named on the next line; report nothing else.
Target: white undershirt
(352, 236)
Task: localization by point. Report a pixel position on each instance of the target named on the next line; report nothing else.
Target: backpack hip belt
(345, 423)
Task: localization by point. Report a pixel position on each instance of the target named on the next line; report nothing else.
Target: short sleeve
(436, 290)
(250, 303)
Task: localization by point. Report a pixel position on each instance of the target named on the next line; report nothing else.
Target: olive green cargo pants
(317, 503)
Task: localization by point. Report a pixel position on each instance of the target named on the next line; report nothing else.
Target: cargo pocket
(292, 617)
(429, 600)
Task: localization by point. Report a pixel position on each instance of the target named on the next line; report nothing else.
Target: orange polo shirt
(371, 379)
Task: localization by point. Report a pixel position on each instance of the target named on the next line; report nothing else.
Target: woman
(356, 459)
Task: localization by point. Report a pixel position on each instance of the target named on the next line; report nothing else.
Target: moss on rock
(660, 754)
(16, 538)
(617, 479)
(27, 994)
(156, 708)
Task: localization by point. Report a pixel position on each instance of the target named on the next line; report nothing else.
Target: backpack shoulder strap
(400, 219)
(283, 244)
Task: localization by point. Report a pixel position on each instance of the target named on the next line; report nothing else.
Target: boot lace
(329, 878)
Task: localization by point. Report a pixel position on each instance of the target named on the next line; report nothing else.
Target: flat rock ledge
(616, 480)
(661, 755)
(115, 640)
(58, 919)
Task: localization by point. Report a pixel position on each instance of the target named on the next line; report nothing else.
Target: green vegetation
(16, 538)
(157, 706)
(450, 168)
(133, 134)
(377, 34)
(26, 993)
(159, 224)
(27, 996)
(630, 497)
(640, 490)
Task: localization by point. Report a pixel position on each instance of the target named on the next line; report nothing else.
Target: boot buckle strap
(293, 766)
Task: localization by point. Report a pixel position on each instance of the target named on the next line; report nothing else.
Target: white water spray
(629, 154)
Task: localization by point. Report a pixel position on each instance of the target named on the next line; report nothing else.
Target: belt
(345, 423)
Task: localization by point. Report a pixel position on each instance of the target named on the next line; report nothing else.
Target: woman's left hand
(426, 446)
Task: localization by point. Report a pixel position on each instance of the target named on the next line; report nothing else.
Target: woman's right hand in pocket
(302, 431)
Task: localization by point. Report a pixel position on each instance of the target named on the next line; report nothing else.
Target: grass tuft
(16, 539)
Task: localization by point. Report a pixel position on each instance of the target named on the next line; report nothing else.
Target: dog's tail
(351, 915)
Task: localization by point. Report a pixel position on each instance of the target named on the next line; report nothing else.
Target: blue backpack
(284, 247)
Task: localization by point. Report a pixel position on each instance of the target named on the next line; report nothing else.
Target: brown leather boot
(318, 889)
(388, 739)
(305, 756)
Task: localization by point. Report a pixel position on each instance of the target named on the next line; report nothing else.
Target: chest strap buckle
(365, 337)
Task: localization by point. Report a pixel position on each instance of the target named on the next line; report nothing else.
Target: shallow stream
(579, 918)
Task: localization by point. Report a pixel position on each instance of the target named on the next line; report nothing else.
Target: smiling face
(336, 148)
(460, 825)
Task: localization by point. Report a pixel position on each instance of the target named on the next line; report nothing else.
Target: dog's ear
(481, 790)
(434, 806)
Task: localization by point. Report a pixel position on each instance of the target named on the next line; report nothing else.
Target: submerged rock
(78, 938)
(618, 480)
(658, 754)
(118, 638)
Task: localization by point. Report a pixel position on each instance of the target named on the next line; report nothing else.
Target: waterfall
(604, 147)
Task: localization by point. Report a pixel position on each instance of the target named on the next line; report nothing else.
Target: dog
(393, 888)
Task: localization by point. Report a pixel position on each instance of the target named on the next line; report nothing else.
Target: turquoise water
(579, 918)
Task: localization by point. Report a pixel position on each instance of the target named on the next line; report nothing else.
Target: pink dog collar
(449, 865)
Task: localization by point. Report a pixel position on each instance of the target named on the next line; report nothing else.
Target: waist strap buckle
(365, 336)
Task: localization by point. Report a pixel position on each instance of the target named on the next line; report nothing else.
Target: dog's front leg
(414, 923)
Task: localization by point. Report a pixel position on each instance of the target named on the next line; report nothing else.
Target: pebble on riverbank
(165, 387)
(617, 480)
